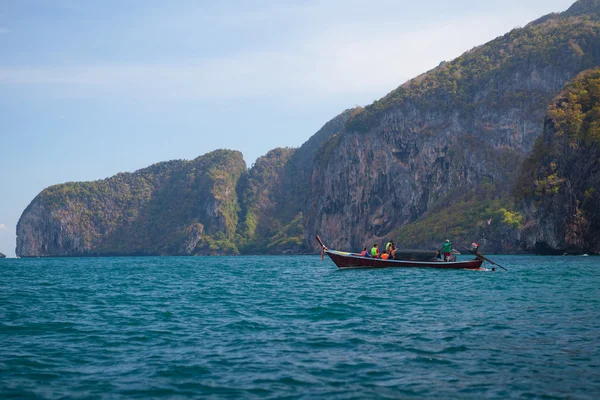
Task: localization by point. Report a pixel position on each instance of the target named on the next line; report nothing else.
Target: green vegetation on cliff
(175, 207)
(489, 105)
(464, 217)
(210, 205)
(574, 120)
(266, 225)
(554, 40)
(561, 179)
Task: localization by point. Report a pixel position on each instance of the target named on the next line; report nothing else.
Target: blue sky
(92, 88)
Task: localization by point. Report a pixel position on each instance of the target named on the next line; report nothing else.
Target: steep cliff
(275, 194)
(175, 207)
(211, 205)
(437, 138)
(559, 189)
(263, 195)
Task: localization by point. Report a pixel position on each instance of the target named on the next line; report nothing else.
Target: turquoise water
(296, 327)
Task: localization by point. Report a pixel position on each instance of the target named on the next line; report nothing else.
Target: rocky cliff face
(468, 121)
(559, 187)
(263, 195)
(211, 205)
(2, 255)
(176, 207)
(275, 195)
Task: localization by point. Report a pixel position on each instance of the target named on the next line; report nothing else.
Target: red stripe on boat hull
(350, 262)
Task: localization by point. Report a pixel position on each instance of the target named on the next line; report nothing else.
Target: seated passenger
(388, 245)
(385, 256)
(375, 251)
(364, 252)
(391, 251)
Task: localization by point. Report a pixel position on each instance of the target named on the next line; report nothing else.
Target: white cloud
(340, 60)
(2, 226)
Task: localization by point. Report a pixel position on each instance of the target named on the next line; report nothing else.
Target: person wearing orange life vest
(364, 252)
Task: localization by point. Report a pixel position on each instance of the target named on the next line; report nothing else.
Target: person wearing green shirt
(447, 249)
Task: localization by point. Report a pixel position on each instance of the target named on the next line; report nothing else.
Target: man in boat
(447, 250)
(375, 251)
(364, 253)
(390, 249)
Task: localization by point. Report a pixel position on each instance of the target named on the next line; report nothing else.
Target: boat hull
(352, 261)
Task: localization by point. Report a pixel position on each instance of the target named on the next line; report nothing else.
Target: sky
(90, 88)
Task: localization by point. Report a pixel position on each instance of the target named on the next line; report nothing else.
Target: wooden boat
(345, 260)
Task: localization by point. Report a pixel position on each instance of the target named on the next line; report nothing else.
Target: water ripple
(295, 327)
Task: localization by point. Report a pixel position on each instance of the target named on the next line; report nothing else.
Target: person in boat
(390, 249)
(447, 250)
(364, 253)
(375, 251)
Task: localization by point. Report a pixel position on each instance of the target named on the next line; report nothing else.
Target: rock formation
(399, 164)
(175, 207)
(559, 187)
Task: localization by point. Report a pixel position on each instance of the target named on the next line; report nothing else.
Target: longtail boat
(420, 259)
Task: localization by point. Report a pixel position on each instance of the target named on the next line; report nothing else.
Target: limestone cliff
(211, 205)
(263, 195)
(175, 207)
(275, 193)
(559, 187)
(442, 135)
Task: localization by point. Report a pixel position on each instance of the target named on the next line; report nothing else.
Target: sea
(295, 327)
